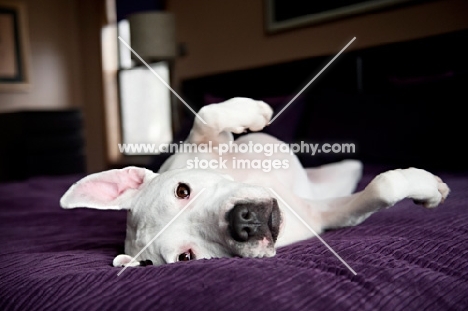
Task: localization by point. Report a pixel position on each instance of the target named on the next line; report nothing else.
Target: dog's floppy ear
(113, 189)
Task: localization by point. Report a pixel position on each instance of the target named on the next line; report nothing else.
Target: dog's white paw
(238, 114)
(247, 114)
(124, 260)
(264, 114)
(419, 185)
(428, 190)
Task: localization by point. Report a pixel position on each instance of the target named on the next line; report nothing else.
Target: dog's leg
(232, 116)
(383, 191)
(334, 180)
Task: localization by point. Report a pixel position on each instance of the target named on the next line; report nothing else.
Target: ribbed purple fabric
(406, 257)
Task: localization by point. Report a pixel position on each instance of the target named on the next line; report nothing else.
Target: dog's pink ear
(113, 189)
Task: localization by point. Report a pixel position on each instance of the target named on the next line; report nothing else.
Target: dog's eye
(182, 191)
(185, 256)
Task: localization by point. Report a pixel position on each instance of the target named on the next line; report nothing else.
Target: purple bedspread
(406, 257)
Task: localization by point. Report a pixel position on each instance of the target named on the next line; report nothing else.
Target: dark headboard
(401, 103)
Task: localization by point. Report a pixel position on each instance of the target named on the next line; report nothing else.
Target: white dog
(240, 212)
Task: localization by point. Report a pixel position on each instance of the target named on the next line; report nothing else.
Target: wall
(229, 35)
(90, 22)
(65, 41)
(55, 59)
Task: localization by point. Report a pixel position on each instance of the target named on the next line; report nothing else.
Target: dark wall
(126, 7)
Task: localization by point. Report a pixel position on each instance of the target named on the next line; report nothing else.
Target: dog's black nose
(246, 222)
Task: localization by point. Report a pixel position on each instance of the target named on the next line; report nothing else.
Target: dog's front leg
(232, 116)
(383, 191)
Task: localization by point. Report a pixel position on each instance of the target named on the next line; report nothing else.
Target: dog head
(182, 214)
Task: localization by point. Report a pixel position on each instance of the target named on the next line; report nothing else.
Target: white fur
(321, 196)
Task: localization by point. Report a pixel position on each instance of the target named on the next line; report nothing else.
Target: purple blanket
(406, 257)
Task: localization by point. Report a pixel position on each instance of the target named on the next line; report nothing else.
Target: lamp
(152, 35)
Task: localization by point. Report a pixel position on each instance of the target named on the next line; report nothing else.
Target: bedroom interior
(397, 93)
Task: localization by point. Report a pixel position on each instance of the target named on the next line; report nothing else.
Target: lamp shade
(152, 35)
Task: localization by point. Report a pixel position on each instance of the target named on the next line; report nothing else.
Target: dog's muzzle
(253, 221)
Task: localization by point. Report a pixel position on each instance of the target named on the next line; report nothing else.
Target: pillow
(285, 126)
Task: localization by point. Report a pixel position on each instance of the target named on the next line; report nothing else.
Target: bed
(406, 257)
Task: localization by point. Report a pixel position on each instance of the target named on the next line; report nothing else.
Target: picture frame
(15, 71)
(281, 15)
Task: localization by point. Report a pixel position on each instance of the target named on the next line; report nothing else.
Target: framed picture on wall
(15, 73)
(288, 14)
